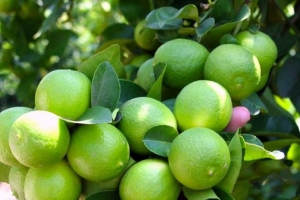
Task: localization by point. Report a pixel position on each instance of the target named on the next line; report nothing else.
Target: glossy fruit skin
(185, 60)
(7, 119)
(98, 152)
(262, 46)
(36, 134)
(140, 114)
(149, 179)
(203, 103)
(235, 68)
(199, 158)
(67, 93)
(57, 181)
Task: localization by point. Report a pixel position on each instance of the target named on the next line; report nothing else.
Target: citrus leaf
(252, 139)
(105, 87)
(254, 104)
(274, 125)
(130, 90)
(236, 154)
(222, 194)
(111, 54)
(94, 115)
(159, 138)
(213, 37)
(161, 19)
(134, 10)
(191, 194)
(279, 144)
(170, 103)
(205, 27)
(222, 10)
(255, 152)
(189, 11)
(267, 167)
(107, 195)
(156, 89)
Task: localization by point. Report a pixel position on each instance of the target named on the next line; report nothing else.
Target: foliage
(41, 36)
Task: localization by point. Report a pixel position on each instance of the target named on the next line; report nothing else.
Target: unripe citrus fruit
(149, 179)
(234, 67)
(145, 75)
(7, 118)
(98, 152)
(140, 114)
(17, 177)
(185, 60)
(203, 103)
(57, 181)
(39, 138)
(199, 158)
(262, 46)
(67, 93)
(145, 37)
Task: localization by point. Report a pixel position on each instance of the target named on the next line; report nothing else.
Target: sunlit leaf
(158, 139)
(94, 115)
(255, 152)
(105, 87)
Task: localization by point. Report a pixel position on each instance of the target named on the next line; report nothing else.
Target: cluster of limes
(52, 158)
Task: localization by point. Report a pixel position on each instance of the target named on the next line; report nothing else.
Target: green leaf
(156, 89)
(274, 125)
(94, 115)
(112, 54)
(213, 37)
(191, 194)
(252, 139)
(107, 195)
(255, 152)
(222, 194)
(288, 79)
(105, 87)
(130, 90)
(279, 143)
(274, 109)
(162, 19)
(236, 154)
(135, 10)
(158, 139)
(205, 27)
(222, 10)
(170, 103)
(254, 104)
(189, 11)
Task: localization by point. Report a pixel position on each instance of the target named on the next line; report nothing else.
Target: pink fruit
(239, 117)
